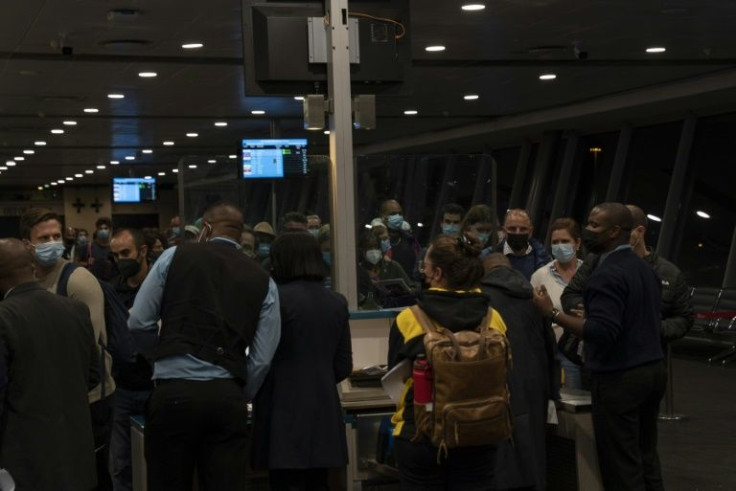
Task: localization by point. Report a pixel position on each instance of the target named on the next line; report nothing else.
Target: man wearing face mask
(404, 247)
(526, 254)
(248, 242)
(81, 250)
(265, 235)
(70, 243)
(621, 330)
(41, 231)
(100, 262)
(451, 217)
(214, 305)
(314, 223)
(134, 385)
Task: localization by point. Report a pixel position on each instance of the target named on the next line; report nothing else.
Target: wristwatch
(553, 314)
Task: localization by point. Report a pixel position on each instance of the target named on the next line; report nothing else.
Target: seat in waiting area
(715, 321)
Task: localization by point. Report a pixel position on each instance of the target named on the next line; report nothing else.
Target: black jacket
(677, 309)
(528, 263)
(46, 438)
(531, 379)
(298, 422)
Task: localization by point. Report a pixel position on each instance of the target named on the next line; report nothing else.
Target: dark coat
(46, 438)
(531, 379)
(298, 421)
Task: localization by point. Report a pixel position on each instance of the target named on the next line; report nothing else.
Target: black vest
(211, 304)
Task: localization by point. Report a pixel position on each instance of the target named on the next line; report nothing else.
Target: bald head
(16, 264)
(495, 260)
(616, 215)
(225, 219)
(639, 219)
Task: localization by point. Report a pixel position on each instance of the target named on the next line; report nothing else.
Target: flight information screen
(133, 189)
(273, 158)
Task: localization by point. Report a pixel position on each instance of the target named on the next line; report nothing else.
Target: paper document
(393, 381)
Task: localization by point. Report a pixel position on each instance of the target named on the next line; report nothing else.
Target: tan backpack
(470, 397)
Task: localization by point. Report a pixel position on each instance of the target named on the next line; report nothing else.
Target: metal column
(729, 277)
(516, 200)
(561, 204)
(613, 193)
(667, 233)
(542, 167)
(342, 166)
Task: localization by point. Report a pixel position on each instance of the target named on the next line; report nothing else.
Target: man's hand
(578, 311)
(543, 301)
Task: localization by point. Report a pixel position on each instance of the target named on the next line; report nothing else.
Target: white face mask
(373, 256)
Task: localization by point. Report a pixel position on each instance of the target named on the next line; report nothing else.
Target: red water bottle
(422, 375)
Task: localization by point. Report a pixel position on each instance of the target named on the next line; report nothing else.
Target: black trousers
(625, 409)
(464, 469)
(101, 414)
(298, 479)
(196, 424)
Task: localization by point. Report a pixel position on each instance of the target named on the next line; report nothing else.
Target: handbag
(569, 345)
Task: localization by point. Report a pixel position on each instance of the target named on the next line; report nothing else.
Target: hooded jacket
(454, 310)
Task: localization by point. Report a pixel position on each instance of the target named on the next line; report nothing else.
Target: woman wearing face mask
(81, 251)
(565, 240)
(374, 261)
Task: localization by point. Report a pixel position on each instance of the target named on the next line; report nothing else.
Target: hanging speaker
(314, 112)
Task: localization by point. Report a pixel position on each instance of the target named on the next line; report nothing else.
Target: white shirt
(548, 276)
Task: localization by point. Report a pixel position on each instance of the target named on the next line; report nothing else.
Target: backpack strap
(423, 318)
(66, 272)
(485, 320)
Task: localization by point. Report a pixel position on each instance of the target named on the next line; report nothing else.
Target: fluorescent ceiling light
(192, 135)
(220, 124)
(60, 181)
(656, 49)
(78, 175)
(129, 157)
(162, 173)
(411, 112)
(192, 166)
(3, 168)
(212, 161)
(147, 151)
(70, 123)
(174, 170)
(19, 159)
(147, 74)
(473, 7)
(89, 171)
(115, 96)
(232, 156)
(298, 97)
(102, 167)
(57, 131)
(69, 178)
(258, 112)
(147, 177)
(471, 97)
(40, 143)
(168, 143)
(654, 218)
(192, 45)
(114, 162)
(327, 132)
(91, 110)
(54, 183)
(435, 49)
(702, 214)
(547, 76)
(420, 224)
(29, 152)
(11, 163)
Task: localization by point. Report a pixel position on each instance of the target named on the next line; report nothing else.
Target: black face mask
(69, 242)
(517, 242)
(592, 241)
(128, 267)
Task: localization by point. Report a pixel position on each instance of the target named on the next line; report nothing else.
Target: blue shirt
(146, 313)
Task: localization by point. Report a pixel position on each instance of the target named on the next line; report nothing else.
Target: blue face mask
(394, 222)
(564, 253)
(483, 238)
(264, 249)
(82, 240)
(385, 245)
(451, 229)
(103, 234)
(48, 253)
(327, 257)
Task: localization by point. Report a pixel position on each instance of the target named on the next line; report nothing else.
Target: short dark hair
(458, 259)
(32, 217)
(103, 221)
(296, 256)
(638, 216)
(618, 215)
(139, 238)
(566, 223)
(452, 209)
(477, 214)
(368, 238)
(293, 216)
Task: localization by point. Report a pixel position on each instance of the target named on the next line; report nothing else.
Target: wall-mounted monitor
(273, 158)
(133, 189)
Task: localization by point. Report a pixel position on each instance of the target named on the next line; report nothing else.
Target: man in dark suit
(48, 363)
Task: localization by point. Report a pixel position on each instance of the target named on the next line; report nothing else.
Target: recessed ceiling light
(192, 135)
(40, 188)
(473, 7)
(60, 181)
(162, 173)
(89, 171)
(147, 74)
(168, 143)
(471, 97)
(3, 168)
(656, 49)
(435, 48)
(70, 123)
(702, 214)
(114, 162)
(78, 175)
(232, 156)
(327, 132)
(69, 178)
(54, 183)
(102, 167)
(192, 166)
(147, 177)
(115, 96)
(57, 131)
(547, 76)
(174, 170)
(192, 45)
(212, 161)
(19, 159)
(147, 151)
(411, 112)
(40, 143)
(91, 110)
(298, 98)
(130, 157)
(258, 112)
(654, 218)
(11, 163)
(220, 124)
(29, 152)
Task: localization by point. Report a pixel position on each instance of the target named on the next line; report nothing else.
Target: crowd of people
(222, 314)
